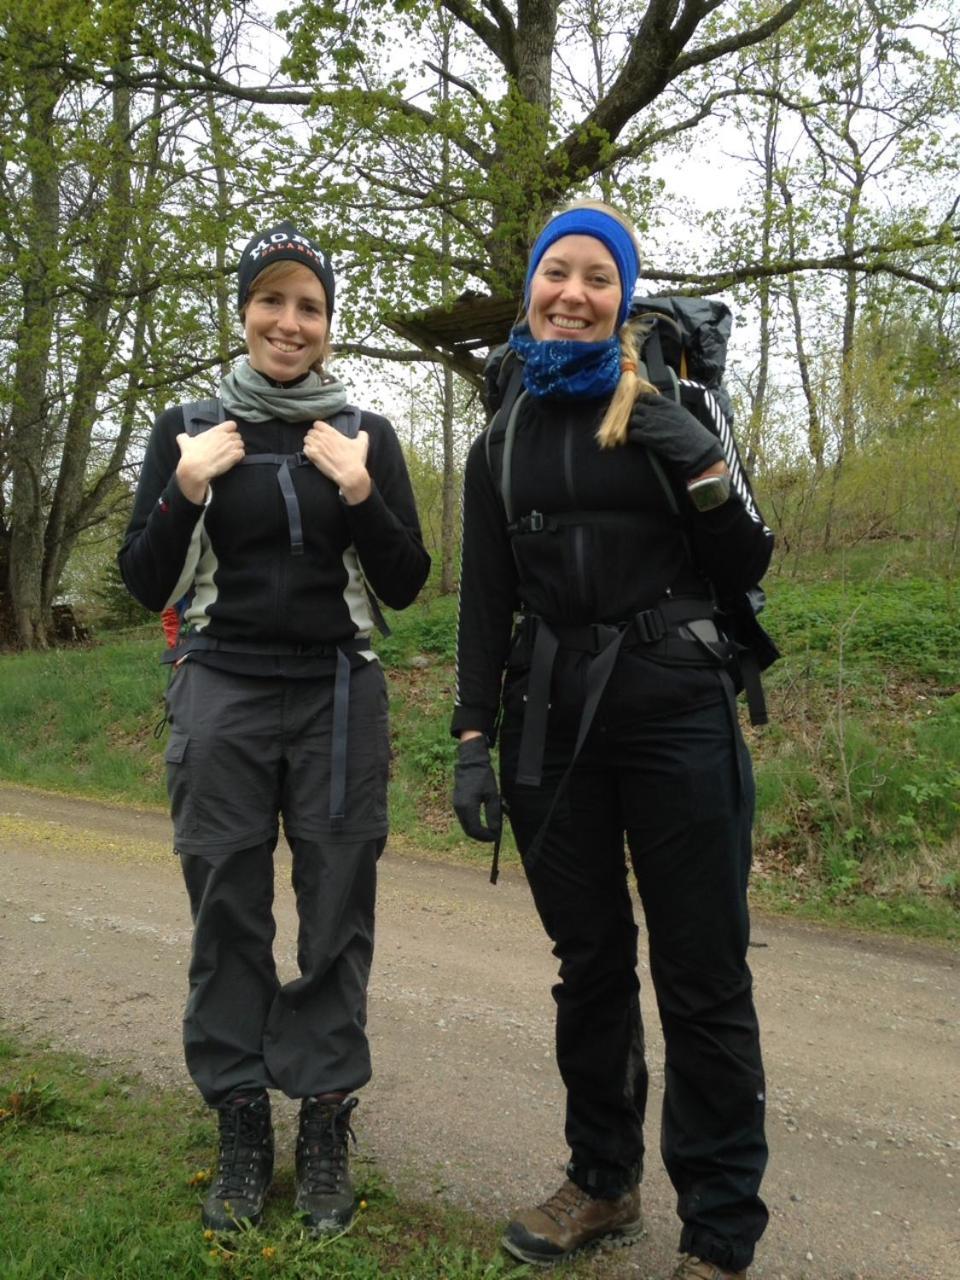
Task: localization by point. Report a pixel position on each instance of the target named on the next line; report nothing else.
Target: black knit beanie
(275, 244)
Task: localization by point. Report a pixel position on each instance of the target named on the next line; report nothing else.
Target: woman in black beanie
(269, 512)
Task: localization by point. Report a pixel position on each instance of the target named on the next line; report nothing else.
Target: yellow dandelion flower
(268, 1252)
(200, 1178)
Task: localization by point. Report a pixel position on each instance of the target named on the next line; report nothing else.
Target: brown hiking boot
(691, 1268)
(569, 1221)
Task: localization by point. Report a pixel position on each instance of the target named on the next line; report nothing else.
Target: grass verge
(858, 772)
(102, 1178)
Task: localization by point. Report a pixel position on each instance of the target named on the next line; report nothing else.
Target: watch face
(709, 493)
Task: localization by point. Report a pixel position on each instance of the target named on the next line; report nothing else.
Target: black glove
(674, 435)
(475, 784)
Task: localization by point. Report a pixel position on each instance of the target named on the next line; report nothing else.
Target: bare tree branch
(654, 61)
(465, 85)
(498, 36)
(742, 40)
(203, 80)
(869, 259)
(386, 353)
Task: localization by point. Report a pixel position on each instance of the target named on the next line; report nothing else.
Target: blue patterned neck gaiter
(566, 368)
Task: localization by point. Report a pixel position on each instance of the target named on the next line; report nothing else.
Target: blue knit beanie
(611, 233)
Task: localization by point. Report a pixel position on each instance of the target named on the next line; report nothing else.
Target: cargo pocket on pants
(182, 808)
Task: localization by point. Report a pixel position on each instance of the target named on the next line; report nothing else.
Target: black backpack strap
(502, 429)
(662, 375)
(198, 415)
(347, 421)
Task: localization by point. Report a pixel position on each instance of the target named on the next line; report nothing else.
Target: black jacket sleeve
(731, 544)
(157, 543)
(385, 527)
(488, 585)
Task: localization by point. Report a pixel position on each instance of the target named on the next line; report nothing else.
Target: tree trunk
(522, 146)
(759, 399)
(448, 506)
(448, 515)
(218, 149)
(29, 409)
(95, 350)
(815, 441)
(851, 296)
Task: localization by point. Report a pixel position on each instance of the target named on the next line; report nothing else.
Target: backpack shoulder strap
(347, 421)
(499, 436)
(199, 415)
(656, 369)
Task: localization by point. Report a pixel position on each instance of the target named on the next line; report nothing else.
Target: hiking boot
(246, 1163)
(325, 1194)
(691, 1268)
(569, 1221)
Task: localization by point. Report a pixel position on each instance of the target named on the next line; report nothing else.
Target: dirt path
(862, 1041)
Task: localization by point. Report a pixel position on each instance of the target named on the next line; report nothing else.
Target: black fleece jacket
(234, 552)
(604, 568)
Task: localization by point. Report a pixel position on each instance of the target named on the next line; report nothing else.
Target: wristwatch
(713, 491)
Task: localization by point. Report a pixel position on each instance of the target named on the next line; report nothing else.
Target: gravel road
(861, 1040)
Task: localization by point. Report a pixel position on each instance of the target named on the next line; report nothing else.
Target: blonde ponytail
(616, 421)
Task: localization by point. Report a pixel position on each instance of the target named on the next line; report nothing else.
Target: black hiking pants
(678, 787)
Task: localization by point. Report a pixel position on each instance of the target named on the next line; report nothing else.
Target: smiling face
(575, 292)
(285, 322)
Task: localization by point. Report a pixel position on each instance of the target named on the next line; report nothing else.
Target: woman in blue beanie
(599, 525)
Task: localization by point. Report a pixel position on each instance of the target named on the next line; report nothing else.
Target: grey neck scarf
(249, 395)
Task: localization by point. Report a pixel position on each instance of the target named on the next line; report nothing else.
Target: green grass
(98, 1178)
(911, 624)
(858, 773)
(83, 720)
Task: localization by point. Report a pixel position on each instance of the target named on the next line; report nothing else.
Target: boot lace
(324, 1130)
(243, 1135)
(566, 1202)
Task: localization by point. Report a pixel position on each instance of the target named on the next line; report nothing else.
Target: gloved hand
(475, 784)
(674, 435)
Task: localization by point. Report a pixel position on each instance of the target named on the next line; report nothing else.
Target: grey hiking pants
(245, 751)
(242, 1030)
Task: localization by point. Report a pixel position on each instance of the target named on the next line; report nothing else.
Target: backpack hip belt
(688, 620)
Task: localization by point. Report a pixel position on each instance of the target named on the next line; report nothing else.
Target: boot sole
(325, 1226)
(620, 1238)
(238, 1223)
(234, 1226)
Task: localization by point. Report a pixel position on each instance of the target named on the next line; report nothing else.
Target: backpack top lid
(701, 327)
